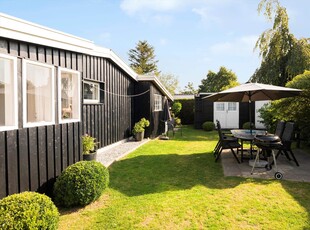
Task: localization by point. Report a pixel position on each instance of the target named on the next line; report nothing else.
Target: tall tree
(216, 82)
(142, 58)
(170, 82)
(189, 89)
(283, 56)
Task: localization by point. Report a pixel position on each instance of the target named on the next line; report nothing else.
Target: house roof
(183, 96)
(18, 29)
(156, 81)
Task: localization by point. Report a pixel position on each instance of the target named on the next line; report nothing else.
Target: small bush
(208, 126)
(81, 184)
(177, 121)
(28, 210)
(246, 125)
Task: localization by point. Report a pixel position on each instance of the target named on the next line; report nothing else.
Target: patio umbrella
(249, 92)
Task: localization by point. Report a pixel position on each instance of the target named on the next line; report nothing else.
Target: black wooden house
(55, 87)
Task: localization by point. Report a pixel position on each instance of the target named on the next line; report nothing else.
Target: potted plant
(89, 147)
(139, 127)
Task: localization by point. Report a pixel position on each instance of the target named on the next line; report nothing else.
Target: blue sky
(190, 37)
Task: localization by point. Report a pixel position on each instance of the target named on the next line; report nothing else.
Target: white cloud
(206, 15)
(242, 46)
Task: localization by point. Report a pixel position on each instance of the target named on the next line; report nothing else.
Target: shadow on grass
(147, 174)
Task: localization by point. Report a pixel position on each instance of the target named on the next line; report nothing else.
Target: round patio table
(247, 135)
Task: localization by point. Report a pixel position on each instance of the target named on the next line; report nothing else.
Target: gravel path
(114, 152)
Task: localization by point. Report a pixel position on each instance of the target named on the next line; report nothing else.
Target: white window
(158, 102)
(68, 95)
(232, 106)
(8, 93)
(220, 106)
(38, 94)
(91, 92)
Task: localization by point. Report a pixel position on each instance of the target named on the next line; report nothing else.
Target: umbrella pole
(250, 113)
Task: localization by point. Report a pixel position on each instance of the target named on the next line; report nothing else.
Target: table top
(247, 134)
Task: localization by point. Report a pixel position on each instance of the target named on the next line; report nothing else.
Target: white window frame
(78, 74)
(43, 123)
(220, 106)
(91, 101)
(158, 102)
(232, 106)
(15, 100)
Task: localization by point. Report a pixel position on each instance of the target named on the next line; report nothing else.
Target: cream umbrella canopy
(249, 92)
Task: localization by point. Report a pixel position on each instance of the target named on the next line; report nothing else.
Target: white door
(227, 113)
(258, 105)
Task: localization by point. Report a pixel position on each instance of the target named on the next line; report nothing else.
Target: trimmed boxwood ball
(28, 210)
(81, 184)
(208, 126)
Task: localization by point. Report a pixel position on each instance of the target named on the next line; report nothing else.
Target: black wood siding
(31, 158)
(145, 107)
(203, 112)
(111, 120)
(244, 114)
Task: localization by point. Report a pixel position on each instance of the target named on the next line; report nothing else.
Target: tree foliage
(189, 89)
(296, 109)
(283, 56)
(170, 82)
(142, 58)
(215, 82)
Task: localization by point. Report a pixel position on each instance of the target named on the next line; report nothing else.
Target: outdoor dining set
(262, 145)
(266, 144)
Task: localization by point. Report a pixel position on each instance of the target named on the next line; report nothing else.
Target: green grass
(176, 184)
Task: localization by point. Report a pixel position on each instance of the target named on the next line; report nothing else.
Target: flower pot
(139, 136)
(90, 157)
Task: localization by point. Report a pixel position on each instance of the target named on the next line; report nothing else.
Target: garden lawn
(176, 184)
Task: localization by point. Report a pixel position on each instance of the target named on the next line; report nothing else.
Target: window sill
(8, 128)
(64, 121)
(36, 124)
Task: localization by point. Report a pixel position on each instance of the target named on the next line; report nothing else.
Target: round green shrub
(208, 126)
(246, 125)
(81, 184)
(28, 210)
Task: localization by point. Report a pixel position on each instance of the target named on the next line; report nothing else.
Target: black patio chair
(286, 140)
(279, 128)
(226, 143)
(226, 135)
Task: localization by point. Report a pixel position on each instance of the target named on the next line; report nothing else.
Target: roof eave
(161, 87)
(18, 29)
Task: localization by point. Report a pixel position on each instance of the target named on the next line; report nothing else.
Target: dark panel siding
(203, 112)
(145, 106)
(244, 113)
(108, 121)
(142, 104)
(31, 158)
(3, 166)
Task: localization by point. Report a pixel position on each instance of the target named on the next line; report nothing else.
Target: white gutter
(18, 29)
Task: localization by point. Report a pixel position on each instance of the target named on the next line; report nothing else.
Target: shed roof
(159, 85)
